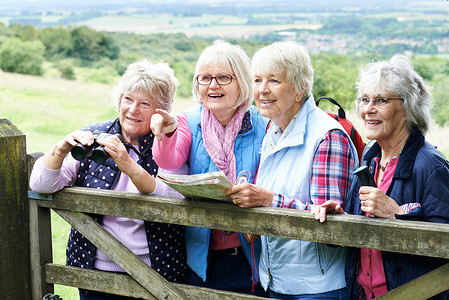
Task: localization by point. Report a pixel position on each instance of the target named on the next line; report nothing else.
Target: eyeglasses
(380, 101)
(221, 79)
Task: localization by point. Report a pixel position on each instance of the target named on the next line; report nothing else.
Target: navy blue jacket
(166, 242)
(421, 176)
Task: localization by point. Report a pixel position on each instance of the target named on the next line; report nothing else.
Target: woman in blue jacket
(411, 175)
(224, 133)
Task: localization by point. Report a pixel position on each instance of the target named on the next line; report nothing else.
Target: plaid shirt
(332, 168)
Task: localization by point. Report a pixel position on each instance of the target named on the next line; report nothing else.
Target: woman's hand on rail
(163, 122)
(320, 211)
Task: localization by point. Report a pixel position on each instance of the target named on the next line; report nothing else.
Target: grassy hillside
(48, 109)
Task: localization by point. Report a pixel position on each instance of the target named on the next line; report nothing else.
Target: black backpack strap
(352, 134)
(366, 149)
(341, 111)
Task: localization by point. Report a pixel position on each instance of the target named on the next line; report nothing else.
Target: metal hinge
(37, 196)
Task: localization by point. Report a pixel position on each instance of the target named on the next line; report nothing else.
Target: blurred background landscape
(93, 42)
(59, 60)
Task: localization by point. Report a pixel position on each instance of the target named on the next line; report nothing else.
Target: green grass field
(45, 110)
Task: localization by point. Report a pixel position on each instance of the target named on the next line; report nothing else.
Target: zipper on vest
(270, 278)
(321, 265)
(319, 254)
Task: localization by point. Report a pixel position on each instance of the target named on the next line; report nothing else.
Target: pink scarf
(219, 140)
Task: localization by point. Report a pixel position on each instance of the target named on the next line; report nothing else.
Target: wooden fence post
(14, 214)
(40, 240)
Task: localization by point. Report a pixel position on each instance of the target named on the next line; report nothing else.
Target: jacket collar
(294, 134)
(407, 157)
(246, 122)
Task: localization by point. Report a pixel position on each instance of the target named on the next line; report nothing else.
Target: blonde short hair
(288, 58)
(234, 59)
(155, 80)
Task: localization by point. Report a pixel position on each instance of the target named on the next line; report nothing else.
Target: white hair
(155, 80)
(398, 77)
(288, 58)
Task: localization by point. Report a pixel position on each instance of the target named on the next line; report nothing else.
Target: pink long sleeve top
(172, 152)
(131, 232)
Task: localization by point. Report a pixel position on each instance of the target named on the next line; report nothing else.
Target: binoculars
(99, 154)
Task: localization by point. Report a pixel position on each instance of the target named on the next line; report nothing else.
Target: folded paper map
(199, 186)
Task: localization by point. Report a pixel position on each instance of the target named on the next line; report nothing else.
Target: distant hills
(214, 6)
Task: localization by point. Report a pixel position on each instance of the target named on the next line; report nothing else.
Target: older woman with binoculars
(143, 88)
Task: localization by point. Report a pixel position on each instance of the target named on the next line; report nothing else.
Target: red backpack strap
(268, 126)
(347, 125)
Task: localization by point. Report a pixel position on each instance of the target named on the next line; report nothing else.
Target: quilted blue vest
(247, 153)
(165, 241)
(288, 266)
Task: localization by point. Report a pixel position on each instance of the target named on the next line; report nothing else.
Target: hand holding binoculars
(99, 154)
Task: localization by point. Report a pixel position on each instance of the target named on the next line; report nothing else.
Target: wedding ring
(115, 149)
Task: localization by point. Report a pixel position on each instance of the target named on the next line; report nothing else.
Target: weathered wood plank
(420, 238)
(40, 242)
(424, 287)
(14, 214)
(40, 250)
(159, 287)
(126, 286)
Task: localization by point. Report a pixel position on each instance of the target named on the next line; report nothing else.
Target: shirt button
(367, 274)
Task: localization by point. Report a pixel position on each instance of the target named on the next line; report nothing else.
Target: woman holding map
(223, 133)
(307, 158)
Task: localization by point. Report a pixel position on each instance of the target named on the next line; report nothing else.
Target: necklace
(389, 162)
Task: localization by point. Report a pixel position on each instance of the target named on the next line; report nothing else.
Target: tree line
(70, 51)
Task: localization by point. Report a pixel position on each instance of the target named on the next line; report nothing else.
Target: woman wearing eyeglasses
(411, 174)
(223, 133)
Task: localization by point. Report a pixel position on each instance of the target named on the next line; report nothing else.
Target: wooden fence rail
(419, 238)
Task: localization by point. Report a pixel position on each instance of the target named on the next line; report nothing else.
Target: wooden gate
(72, 204)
